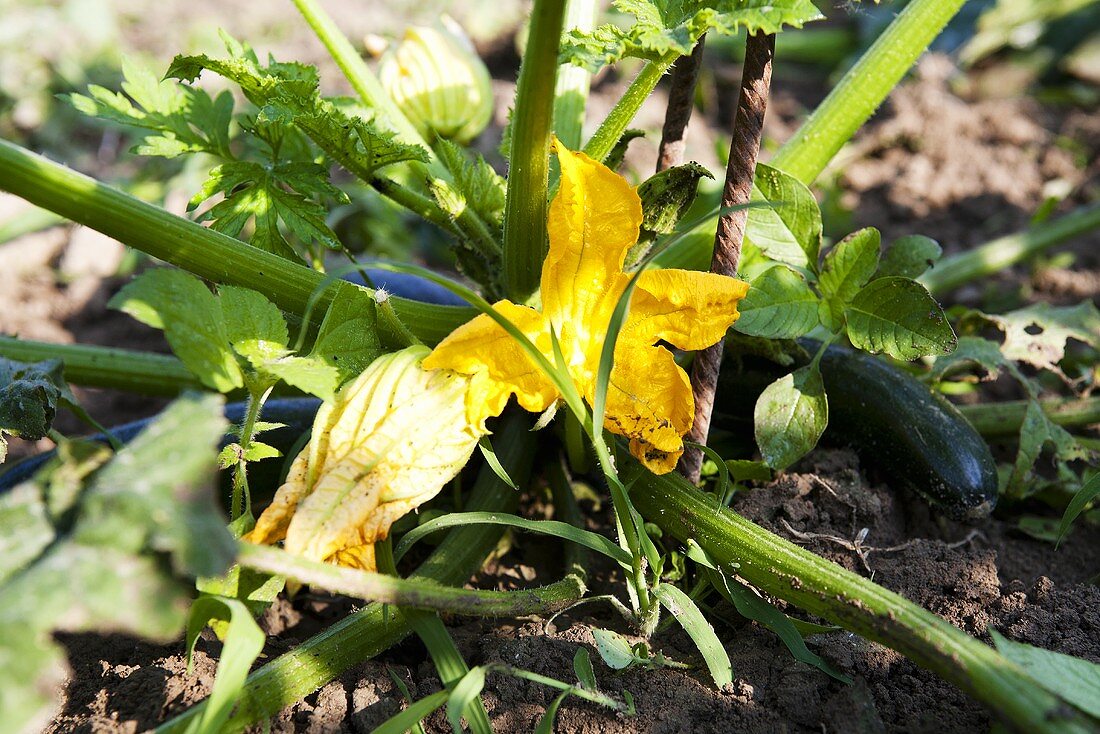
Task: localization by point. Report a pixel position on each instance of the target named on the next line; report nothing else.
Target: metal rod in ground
(681, 100)
(748, 125)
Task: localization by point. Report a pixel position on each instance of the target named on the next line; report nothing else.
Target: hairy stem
(200, 250)
(1005, 418)
(681, 102)
(1003, 252)
(622, 114)
(748, 127)
(782, 569)
(525, 209)
(571, 91)
(863, 88)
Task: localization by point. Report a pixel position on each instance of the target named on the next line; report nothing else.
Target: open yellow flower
(594, 220)
(388, 443)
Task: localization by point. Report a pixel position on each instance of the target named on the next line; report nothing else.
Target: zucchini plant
(574, 298)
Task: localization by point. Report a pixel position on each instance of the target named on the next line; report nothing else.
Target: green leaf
(403, 722)
(27, 528)
(614, 649)
(546, 723)
(910, 257)
(698, 628)
(255, 589)
(494, 463)
(107, 573)
(1038, 432)
(309, 374)
(268, 195)
(191, 318)
(789, 230)
(348, 338)
(1072, 679)
(753, 606)
(32, 672)
(467, 689)
(243, 642)
(179, 119)
(790, 416)
(582, 667)
(483, 188)
(29, 394)
(250, 317)
(899, 317)
(779, 305)
(674, 26)
(972, 353)
(1089, 491)
(848, 267)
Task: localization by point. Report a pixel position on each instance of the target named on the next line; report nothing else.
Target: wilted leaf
(972, 353)
(1037, 433)
(1037, 335)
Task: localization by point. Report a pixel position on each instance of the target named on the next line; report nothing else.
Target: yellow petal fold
(652, 407)
(687, 309)
(388, 442)
(497, 364)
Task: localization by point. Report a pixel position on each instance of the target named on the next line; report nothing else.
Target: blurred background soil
(959, 155)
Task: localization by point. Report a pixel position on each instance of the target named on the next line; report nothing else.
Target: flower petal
(649, 401)
(594, 220)
(685, 308)
(275, 519)
(497, 363)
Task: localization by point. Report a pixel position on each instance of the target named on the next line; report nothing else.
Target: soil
(932, 162)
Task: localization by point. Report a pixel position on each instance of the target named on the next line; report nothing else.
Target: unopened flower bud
(439, 82)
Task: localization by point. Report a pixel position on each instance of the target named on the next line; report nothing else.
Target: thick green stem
(622, 114)
(195, 248)
(416, 593)
(525, 210)
(1005, 419)
(571, 92)
(372, 630)
(863, 88)
(1003, 252)
(782, 569)
(123, 369)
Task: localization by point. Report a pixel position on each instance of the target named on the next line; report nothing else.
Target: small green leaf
(29, 394)
(779, 305)
(463, 694)
(899, 317)
(258, 451)
(673, 27)
(698, 628)
(910, 257)
(1089, 491)
(613, 648)
(494, 463)
(789, 230)
(582, 666)
(309, 374)
(348, 338)
(666, 197)
(1072, 679)
(191, 317)
(250, 317)
(546, 723)
(790, 416)
(1040, 528)
(243, 642)
(483, 187)
(849, 265)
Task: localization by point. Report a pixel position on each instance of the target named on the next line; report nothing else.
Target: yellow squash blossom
(594, 220)
(388, 443)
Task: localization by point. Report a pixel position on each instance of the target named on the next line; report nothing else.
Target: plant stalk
(370, 631)
(681, 102)
(1005, 418)
(748, 128)
(571, 90)
(526, 207)
(200, 250)
(863, 88)
(784, 570)
(622, 114)
(996, 255)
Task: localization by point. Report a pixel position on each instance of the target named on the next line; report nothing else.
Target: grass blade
(698, 628)
(463, 695)
(413, 715)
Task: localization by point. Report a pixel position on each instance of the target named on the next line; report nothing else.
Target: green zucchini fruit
(893, 421)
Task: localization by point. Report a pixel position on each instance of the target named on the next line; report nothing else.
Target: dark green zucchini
(892, 420)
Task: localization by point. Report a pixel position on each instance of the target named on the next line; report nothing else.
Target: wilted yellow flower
(439, 82)
(594, 220)
(388, 443)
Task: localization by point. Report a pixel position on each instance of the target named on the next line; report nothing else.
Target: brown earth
(956, 169)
